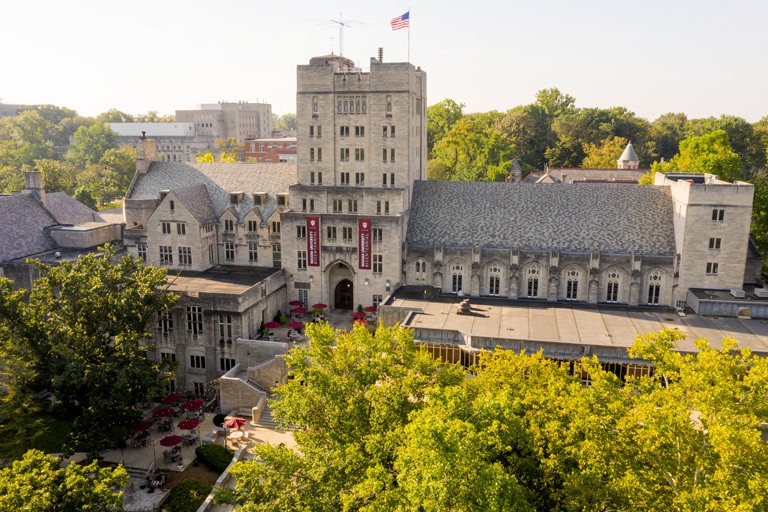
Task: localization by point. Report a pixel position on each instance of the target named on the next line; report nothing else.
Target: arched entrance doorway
(343, 296)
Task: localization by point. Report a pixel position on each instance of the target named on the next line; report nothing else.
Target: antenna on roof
(341, 24)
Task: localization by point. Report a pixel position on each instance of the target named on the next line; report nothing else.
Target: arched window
(457, 276)
(572, 284)
(346, 105)
(654, 287)
(357, 105)
(338, 106)
(421, 271)
(494, 280)
(314, 105)
(389, 104)
(365, 105)
(533, 281)
(612, 286)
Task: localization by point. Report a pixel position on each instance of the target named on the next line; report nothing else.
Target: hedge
(187, 496)
(215, 456)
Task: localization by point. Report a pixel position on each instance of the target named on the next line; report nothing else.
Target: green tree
(350, 396)
(58, 176)
(84, 196)
(709, 153)
(474, 151)
(604, 156)
(83, 328)
(741, 135)
(529, 127)
(121, 162)
(36, 483)
(435, 170)
(90, 144)
(285, 123)
(440, 120)
(114, 116)
(667, 131)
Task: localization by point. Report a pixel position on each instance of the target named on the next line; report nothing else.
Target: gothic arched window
(572, 284)
(612, 286)
(457, 277)
(655, 279)
(533, 281)
(494, 280)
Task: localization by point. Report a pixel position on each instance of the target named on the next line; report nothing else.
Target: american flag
(401, 21)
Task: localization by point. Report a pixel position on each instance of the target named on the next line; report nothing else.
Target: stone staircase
(137, 472)
(266, 420)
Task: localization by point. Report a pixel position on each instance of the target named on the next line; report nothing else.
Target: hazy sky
(699, 57)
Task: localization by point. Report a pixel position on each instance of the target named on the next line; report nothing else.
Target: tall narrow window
(572, 285)
(378, 263)
(494, 280)
(253, 252)
(195, 319)
(166, 255)
(302, 260)
(389, 104)
(142, 248)
(314, 105)
(229, 251)
(225, 327)
(277, 257)
(533, 282)
(612, 287)
(457, 272)
(654, 288)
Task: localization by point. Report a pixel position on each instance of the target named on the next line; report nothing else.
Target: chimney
(33, 182)
(381, 54)
(146, 153)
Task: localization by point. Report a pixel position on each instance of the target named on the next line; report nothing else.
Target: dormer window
(235, 197)
(259, 198)
(282, 199)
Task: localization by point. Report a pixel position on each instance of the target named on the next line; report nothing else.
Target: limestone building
(216, 228)
(361, 146)
(175, 142)
(230, 119)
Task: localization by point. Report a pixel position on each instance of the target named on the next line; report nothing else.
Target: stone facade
(362, 144)
(228, 119)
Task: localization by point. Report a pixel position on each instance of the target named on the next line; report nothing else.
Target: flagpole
(409, 33)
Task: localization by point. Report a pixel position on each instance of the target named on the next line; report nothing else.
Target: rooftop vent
(738, 293)
(762, 292)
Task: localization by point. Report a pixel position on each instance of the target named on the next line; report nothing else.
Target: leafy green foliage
(216, 457)
(37, 484)
(383, 427)
(285, 123)
(440, 120)
(709, 153)
(82, 331)
(187, 496)
(90, 144)
(605, 155)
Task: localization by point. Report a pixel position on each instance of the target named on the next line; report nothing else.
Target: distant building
(7, 110)
(49, 227)
(627, 171)
(223, 120)
(282, 150)
(176, 142)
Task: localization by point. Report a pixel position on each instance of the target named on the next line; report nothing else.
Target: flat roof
(219, 280)
(584, 324)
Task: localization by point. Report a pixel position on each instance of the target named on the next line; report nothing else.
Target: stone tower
(361, 145)
(628, 159)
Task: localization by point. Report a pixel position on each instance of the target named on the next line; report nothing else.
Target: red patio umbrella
(164, 412)
(296, 303)
(234, 423)
(191, 405)
(295, 325)
(171, 440)
(171, 399)
(141, 426)
(188, 424)
(357, 315)
(319, 306)
(272, 325)
(299, 311)
(370, 309)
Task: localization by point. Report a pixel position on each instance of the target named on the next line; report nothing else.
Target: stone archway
(341, 288)
(343, 295)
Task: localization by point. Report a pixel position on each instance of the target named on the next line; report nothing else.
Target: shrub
(360, 308)
(277, 316)
(216, 457)
(283, 319)
(186, 496)
(218, 420)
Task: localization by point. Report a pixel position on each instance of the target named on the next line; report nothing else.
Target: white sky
(699, 57)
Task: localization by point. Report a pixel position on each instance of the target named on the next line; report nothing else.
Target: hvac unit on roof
(738, 293)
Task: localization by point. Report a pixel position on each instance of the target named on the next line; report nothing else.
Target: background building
(175, 142)
(7, 110)
(282, 150)
(224, 120)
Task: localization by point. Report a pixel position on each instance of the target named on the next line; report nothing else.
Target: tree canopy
(36, 483)
(284, 123)
(381, 427)
(81, 330)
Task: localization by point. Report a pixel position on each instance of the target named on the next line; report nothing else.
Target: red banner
(364, 243)
(313, 241)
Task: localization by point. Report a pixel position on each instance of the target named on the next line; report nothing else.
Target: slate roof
(112, 215)
(23, 220)
(68, 210)
(219, 179)
(196, 200)
(612, 218)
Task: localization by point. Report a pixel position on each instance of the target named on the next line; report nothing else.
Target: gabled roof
(68, 210)
(23, 223)
(219, 180)
(629, 154)
(196, 200)
(611, 218)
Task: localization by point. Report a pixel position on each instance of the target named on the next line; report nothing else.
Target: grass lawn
(55, 432)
